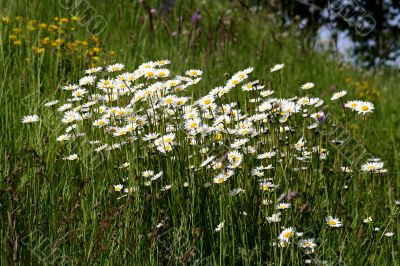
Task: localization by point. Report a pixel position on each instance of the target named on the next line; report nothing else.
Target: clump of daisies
(218, 143)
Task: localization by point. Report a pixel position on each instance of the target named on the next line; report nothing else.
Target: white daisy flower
(71, 157)
(338, 95)
(333, 222)
(277, 67)
(115, 67)
(307, 86)
(30, 119)
(220, 226)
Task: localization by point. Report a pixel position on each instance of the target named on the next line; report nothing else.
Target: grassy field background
(58, 212)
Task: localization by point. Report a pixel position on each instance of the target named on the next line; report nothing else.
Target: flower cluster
(219, 142)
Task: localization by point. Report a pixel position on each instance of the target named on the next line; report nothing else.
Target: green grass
(59, 212)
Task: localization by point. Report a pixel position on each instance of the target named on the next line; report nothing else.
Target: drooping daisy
(157, 176)
(333, 222)
(277, 67)
(274, 218)
(51, 103)
(30, 119)
(150, 136)
(283, 206)
(71, 157)
(338, 95)
(367, 220)
(220, 226)
(93, 70)
(307, 86)
(236, 191)
(64, 137)
(165, 188)
(389, 234)
(71, 87)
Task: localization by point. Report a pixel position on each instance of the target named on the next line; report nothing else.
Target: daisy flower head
(162, 62)
(389, 234)
(307, 86)
(353, 105)
(118, 188)
(364, 108)
(194, 72)
(162, 73)
(157, 176)
(277, 67)
(79, 92)
(30, 119)
(283, 206)
(115, 67)
(372, 167)
(70, 87)
(249, 86)
(148, 173)
(333, 222)
(308, 244)
(220, 226)
(64, 137)
(71, 157)
(220, 178)
(267, 186)
(234, 81)
(274, 218)
(206, 102)
(286, 234)
(236, 191)
(51, 103)
(88, 80)
(150, 73)
(367, 220)
(93, 70)
(338, 95)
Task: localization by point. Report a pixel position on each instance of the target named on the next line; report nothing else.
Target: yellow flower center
(307, 244)
(287, 234)
(332, 222)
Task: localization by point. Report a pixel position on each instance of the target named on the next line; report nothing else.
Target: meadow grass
(55, 211)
